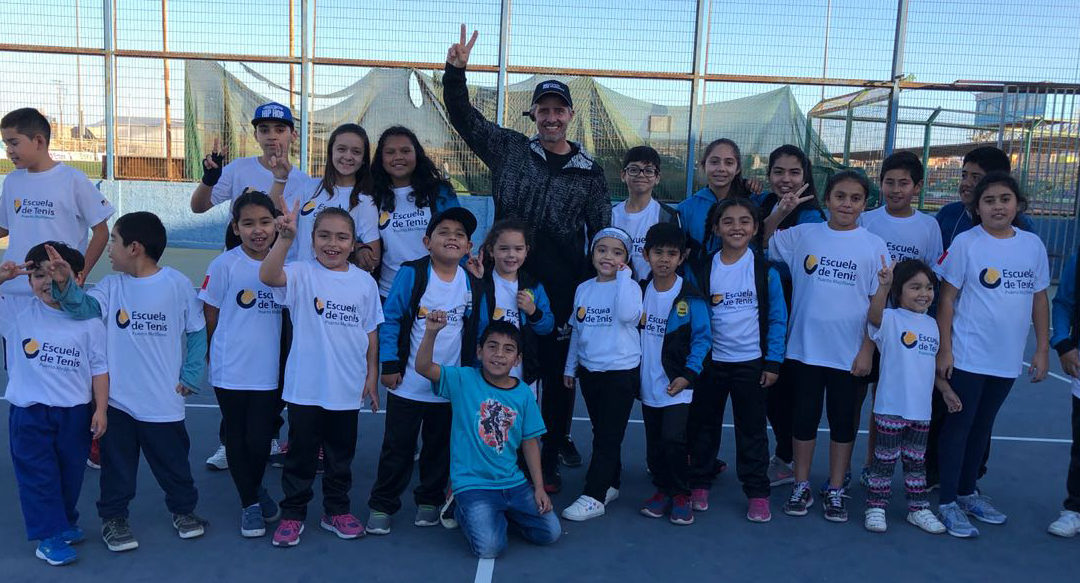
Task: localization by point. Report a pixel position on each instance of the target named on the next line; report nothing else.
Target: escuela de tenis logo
(308, 208)
(155, 323)
(1010, 280)
(590, 316)
(52, 355)
(926, 345)
(337, 313)
(34, 209)
(416, 220)
(831, 269)
(262, 299)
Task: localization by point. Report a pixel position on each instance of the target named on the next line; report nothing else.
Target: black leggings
(609, 397)
(249, 419)
(837, 389)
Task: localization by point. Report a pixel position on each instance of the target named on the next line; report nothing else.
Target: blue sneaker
(251, 522)
(956, 522)
(980, 507)
(73, 535)
(271, 512)
(824, 490)
(55, 551)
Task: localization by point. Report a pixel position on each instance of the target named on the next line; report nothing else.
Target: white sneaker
(218, 461)
(875, 520)
(584, 508)
(1067, 525)
(611, 495)
(926, 520)
(275, 447)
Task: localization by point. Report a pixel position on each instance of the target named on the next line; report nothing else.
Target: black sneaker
(800, 500)
(552, 480)
(116, 532)
(569, 455)
(835, 507)
(189, 525)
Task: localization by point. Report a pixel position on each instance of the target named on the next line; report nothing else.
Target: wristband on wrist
(280, 180)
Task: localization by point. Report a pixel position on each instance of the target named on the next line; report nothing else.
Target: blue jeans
(483, 516)
(965, 435)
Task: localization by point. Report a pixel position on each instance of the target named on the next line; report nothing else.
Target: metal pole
(110, 91)
(292, 52)
(847, 134)
(897, 72)
(701, 41)
(504, 51)
(825, 57)
(307, 25)
(165, 79)
(78, 78)
(926, 154)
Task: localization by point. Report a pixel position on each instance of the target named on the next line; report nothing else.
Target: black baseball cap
(457, 214)
(552, 87)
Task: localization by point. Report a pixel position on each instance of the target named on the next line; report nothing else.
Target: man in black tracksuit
(559, 190)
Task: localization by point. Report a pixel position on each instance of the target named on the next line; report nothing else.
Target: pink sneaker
(345, 526)
(699, 499)
(288, 533)
(759, 510)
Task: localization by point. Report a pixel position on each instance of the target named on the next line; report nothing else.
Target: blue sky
(1018, 40)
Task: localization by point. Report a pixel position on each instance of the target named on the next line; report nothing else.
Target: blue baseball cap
(273, 111)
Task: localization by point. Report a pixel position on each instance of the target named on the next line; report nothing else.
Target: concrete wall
(169, 200)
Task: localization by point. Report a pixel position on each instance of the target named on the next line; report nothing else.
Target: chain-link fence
(139, 90)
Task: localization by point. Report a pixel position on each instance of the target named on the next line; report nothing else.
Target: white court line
(484, 570)
(1053, 374)
(731, 426)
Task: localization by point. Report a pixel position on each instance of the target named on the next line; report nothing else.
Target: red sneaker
(94, 460)
(288, 533)
(345, 526)
(759, 510)
(699, 499)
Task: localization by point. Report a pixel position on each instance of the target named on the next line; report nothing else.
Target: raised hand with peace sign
(10, 270)
(458, 54)
(286, 223)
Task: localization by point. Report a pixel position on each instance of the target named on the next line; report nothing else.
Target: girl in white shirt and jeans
(1003, 273)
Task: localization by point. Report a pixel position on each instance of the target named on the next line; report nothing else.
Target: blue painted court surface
(1026, 480)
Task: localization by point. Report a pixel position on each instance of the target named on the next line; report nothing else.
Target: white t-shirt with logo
(332, 314)
(59, 204)
(637, 225)
(246, 345)
(506, 308)
(454, 298)
(834, 273)
(914, 237)
(402, 234)
(364, 214)
(249, 173)
(51, 357)
(733, 309)
(908, 342)
(998, 279)
(605, 325)
(147, 320)
(655, 309)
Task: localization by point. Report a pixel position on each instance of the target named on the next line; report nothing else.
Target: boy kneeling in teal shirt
(493, 414)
